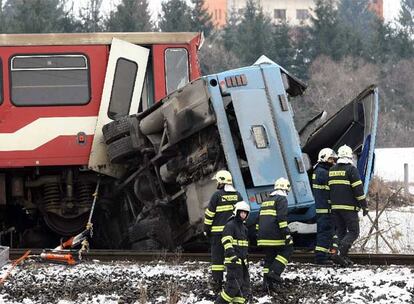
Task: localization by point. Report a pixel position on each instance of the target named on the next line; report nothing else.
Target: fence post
(406, 180)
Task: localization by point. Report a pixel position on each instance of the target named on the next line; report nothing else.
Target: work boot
(216, 286)
(267, 285)
(274, 278)
(349, 261)
(338, 259)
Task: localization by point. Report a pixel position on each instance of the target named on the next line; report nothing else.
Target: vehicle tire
(121, 150)
(117, 129)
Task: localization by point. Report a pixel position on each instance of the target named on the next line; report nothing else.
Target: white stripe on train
(45, 129)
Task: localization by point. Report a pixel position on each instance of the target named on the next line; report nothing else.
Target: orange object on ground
(15, 263)
(58, 257)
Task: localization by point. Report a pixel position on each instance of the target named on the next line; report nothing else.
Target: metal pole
(406, 183)
(376, 226)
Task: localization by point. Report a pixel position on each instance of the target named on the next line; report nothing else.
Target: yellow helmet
(345, 152)
(282, 184)
(223, 177)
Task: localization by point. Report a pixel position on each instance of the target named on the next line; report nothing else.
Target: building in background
(294, 12)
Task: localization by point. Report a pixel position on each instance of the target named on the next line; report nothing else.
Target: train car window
(176, 68)
(122, 88)
(38, 80)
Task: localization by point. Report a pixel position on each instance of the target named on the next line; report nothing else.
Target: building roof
(95, 38)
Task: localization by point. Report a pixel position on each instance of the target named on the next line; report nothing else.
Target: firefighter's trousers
(276, 259)
(347, 229)
(237, 286)
(325, 240)
(217, 257)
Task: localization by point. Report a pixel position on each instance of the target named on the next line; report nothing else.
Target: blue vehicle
(240, 120)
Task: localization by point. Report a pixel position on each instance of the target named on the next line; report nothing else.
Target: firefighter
(347, 198)
(235, 242)
(219, 210)
(274, 235)
(324, 221)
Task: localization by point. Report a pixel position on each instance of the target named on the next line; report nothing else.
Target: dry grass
(382, 191)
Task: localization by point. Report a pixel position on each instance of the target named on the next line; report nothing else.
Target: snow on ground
(187, 282)
(397, 227)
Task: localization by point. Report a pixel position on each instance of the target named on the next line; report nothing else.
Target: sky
(391, 7)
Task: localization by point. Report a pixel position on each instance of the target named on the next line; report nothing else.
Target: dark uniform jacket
(346, 188)
(235, 241)
(219, 210)
(273, 226)
(320, 188)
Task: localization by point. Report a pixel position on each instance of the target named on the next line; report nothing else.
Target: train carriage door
(121, 96)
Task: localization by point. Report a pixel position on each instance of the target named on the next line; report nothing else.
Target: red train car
(56, 93)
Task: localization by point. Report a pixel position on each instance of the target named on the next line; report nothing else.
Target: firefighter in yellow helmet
(219, 210)
(236, 244)
(274, 235)
(347, 198)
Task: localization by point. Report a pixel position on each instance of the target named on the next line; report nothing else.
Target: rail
(299, 257)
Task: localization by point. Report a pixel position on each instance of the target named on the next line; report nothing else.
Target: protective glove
(289, 240)
(364, 211)
(234, 259)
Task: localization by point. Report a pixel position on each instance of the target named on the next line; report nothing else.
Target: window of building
(122, 88)
(280, 14)
(38, 80)
(302, 14)
(176, 68)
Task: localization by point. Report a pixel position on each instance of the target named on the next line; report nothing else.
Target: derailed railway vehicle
(76, 108)
(240, 120)
(56, 93)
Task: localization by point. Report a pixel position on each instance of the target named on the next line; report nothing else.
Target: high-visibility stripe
(338, 182)
(228, 245)
(217, 228)
(240, 243)
(239, 300)
(283, 224)
(224, 208)
(357, 183)
(208, 222)
(322, 211)
(271, 242)
(217, 267)
(230, 260)
(226, 297)
(360, 198)
(320, 187)
(265, 270)
(322, 249)
(313, 176)
(209, 213)
(227, 238)
(268, 204)
(257, 226)
(282, 259)
(345, 207)
(268, 212)
(229, 197)
(337, 173)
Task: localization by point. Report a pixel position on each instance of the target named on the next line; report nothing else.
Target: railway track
(299, 257)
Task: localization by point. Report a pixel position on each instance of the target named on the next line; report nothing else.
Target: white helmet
(325, 154)
(345, 152)
(241, 206)
(282, 184)
(223, 177)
